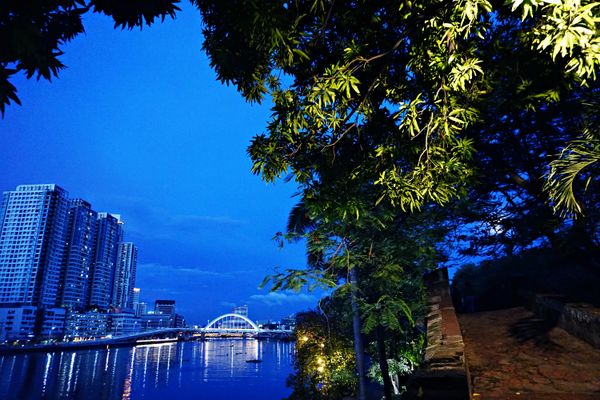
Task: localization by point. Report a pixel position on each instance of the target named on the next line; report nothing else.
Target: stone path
(511, 354)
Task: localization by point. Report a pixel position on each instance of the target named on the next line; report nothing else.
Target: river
(211, 370)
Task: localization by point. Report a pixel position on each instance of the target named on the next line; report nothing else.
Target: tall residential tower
(58, 256)
(33, 228)
(78, 255)
(123, 292)
(109, 232)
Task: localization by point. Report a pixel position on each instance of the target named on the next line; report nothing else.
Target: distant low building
(270, 326)
(153, 321)
(241, 310)
(141, 309)
(124, 323)
(156, 321)
(17, 323)
(91, 324)
(53, 324)
(178, 321)
(288, 323)
(164, 307)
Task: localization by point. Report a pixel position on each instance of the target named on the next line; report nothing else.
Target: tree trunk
(388, 386)
(359, 348)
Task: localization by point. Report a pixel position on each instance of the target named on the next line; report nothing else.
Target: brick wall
(443, 376)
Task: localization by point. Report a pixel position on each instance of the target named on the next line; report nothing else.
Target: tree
(425, 73)
(324, 362)
(32, 33)
(576, 170)
(377, 263)
(381, 108)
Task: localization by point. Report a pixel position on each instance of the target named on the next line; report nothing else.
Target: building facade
(241, 310)
(33, 228)
(59, 257)
(141, 308)
(86, 325)
(109, 232)
(53, 325)
(137, 304)
(124, 282)
(124, 323)
(78, 255)
(151, 322)
(166, 307)
(17, 323)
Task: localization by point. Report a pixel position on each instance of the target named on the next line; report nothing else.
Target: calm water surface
(215, 369)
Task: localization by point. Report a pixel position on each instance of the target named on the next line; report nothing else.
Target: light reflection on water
(214, 369)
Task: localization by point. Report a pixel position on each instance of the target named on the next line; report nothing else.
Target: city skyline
(167, 153)
(62, 262)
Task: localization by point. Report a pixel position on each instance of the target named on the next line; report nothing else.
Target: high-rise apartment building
(109, 232)
(78, 255)
(136, 295)
(58, 257)
(33, 227)
(137, 304)
(123, 291)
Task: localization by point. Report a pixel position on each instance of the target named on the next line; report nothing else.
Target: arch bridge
(231, 323)
(225, 325)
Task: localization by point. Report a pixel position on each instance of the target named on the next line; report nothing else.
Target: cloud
(149, 221)
(280, 298)
(171, 270)
(192, 222)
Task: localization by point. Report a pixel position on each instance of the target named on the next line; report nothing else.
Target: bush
(496, 284)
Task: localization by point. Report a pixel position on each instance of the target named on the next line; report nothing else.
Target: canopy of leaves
(401, 95)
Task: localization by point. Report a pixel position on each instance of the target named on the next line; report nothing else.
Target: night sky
(138, 126)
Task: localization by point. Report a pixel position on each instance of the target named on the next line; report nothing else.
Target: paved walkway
(514, 355)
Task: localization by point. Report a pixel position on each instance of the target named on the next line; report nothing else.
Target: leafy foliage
(324, 359)
(382, 112)
(406, 90)
(381, 109)
(388, 258)
(577, 165)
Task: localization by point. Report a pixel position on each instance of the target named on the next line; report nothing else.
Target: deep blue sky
(138, 125)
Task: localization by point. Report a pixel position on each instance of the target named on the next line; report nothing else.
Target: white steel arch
(231, 315)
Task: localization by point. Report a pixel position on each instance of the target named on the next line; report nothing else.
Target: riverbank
(131, 341)
(81, 345)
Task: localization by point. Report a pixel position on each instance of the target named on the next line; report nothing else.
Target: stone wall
(579, 319)
(444, 373)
